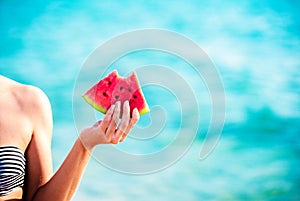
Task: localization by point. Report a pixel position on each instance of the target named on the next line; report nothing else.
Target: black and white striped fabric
(12, 169)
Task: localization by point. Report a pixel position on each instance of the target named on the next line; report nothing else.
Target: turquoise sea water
(255, 46)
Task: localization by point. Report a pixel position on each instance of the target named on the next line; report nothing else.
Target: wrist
(85, 142)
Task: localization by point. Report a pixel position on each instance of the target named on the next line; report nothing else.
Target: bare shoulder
(35, 95)
(31, 98)
(35, 103)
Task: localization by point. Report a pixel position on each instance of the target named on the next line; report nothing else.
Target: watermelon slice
(115, 88)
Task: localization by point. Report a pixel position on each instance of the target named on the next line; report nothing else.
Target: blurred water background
(255, 46)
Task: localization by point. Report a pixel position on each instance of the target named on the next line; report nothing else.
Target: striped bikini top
(12, 169)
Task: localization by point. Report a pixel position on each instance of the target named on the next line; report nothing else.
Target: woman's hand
(109, 130)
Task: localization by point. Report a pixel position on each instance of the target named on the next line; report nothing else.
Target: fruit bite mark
(112, 89)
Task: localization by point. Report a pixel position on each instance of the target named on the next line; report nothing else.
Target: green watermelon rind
(93, 104)
(96, 106)
(145, 110)
(100, 109)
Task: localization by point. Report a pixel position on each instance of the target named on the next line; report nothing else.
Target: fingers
(110, 122)
(124, 122)
(132, 122)
(114, 121)
(107, 118)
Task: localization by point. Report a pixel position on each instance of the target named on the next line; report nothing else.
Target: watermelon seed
(117, 97)
(109, 82)
(104, 94)
(134, 96)
(129, 89)
(121, 88)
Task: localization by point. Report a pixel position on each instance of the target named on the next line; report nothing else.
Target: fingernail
(112, 107)
(136, 111)
(126, 102)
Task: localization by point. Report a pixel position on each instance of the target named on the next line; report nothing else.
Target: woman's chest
(15, 127)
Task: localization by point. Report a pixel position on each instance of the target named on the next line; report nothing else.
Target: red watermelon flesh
(115, 88)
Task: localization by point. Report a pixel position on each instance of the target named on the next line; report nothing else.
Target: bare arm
(38, 153)
(62, 185)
